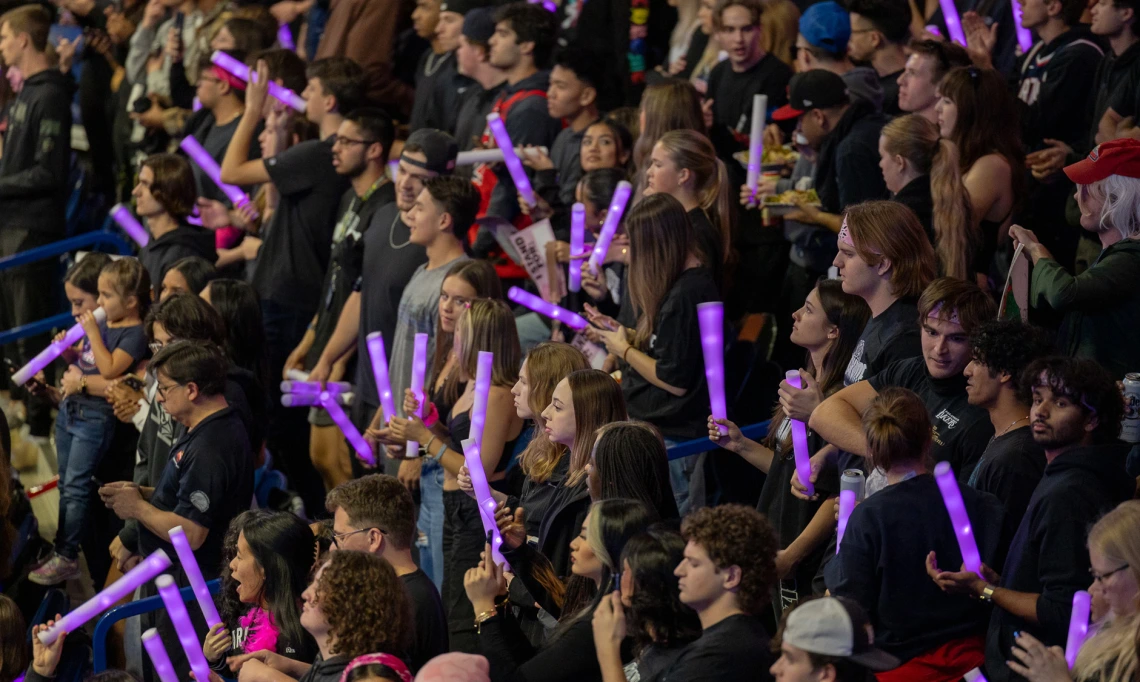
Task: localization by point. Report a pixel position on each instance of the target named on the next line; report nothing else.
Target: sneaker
(55, 570)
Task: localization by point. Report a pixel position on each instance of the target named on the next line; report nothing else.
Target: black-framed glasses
(163, 389)
(337, 537)
(342, 140)
(1101, 577)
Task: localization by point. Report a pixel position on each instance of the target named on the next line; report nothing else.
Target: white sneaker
(55, 570)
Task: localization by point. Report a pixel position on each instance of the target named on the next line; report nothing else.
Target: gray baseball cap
(835, 626)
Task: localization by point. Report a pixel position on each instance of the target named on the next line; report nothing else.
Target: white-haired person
(1101, 306)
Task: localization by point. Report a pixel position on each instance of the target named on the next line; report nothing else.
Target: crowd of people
(935, 264)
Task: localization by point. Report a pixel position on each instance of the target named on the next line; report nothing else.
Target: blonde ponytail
(955, 231)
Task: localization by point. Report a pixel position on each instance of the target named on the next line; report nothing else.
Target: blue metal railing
(134, 608)
(695, 447)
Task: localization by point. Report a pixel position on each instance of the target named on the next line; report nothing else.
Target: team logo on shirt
(178, 457)
(200, 500)
(855, 366)
(951, 420)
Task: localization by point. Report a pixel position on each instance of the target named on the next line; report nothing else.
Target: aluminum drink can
(1130, 427)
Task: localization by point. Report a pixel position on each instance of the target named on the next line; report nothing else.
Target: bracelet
(428, 446)
(627, 350)
(483, 618)
(431, 417)
(442, 449)
(83, 384)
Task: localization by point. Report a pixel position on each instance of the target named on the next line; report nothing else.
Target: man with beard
(1075, 417)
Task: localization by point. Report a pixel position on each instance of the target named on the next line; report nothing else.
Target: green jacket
(1101, 306)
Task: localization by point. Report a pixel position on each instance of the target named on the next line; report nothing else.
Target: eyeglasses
(337, 537)
(341, 140)
(1101, 577)
(163, 389)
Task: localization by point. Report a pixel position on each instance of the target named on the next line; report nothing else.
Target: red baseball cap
(1115, 157)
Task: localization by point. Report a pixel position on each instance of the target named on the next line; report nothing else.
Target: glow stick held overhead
(514, 165)
(544, 307)
(756, 141)
(126, 220)
(419, 369)
(151, 566)
(953, 22)
(152, 642)
(210, 167)
(351, 434)
(379, 359)
(483, 497)
(610, 225)
(710, 317)
(194, 575)
(183, 626)
(1078, 626)
(952, 498)
(577, 243)
(800, 440)
(279, 92)
(54, 350)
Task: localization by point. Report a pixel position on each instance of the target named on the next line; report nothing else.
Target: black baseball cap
(815, 89)
(479, 24)
(439, 148)
(461, 6)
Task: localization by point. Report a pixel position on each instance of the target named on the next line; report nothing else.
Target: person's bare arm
(839, 419)
(985, 182)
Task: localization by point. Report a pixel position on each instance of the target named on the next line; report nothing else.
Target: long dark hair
(660, 241)
(13, 651)
(656, 614)
(282, 545)
(84, 275)
(239, 307)
(481, 275)
(197, 271)
(230, 608)
(631, 462)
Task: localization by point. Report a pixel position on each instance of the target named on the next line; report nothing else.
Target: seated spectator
(880, 30)
(825, 30)
(881, 555)
(928, 63)
(1098, 305)
(670, 105)
(241, 34)
(13, 631)
(828, 633)
(630, 461)
(376, 668)
(189, 275)
(728, 570)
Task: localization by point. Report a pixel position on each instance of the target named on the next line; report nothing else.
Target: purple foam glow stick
(419, 369)
(1078, 626)
(126, 220)
(974, 675)
(483, 497)
(54, 350)
(953, 23)
(333, 387)
(544, 307)
(195, 104)
(152, 641)
(710, 316)
(194, 575)
(756, 141)
(514, 165)
(285, 37)
(123, 587)
(846, 506)
(176, 609)
(210, 167)
(952, 498)
(577, 243)
(1024, 37)
(310, 399)
(393, 166)
(800, 440)
(363, 449)
(380, 374)
(279, 92)
(484, 371)
(610, 225)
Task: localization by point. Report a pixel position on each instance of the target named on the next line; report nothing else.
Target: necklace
(1011, 425)
(392, 231)
(430, 68)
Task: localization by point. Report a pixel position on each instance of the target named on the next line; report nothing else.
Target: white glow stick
(756, 140)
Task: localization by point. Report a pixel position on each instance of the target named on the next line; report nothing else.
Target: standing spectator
(449, 85)
(365, 31)
(425, 18)
(827, 633)
(880, 30)
(927, 65)
(825, 30)
(1117, 75)
(473, 60)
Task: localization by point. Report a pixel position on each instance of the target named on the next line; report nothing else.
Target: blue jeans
(430, 521)
(83, 433)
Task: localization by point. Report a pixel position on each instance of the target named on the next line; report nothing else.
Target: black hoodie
(181, 242)
(1048, 556)
(35, 165)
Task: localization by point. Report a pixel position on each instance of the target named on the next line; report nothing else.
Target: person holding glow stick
(880, 30)
(880, 564)
(827, 327)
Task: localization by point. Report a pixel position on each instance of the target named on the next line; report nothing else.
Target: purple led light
(126, 220)
(152, 641)
(419, 369)
(953, 23)
(952, 498)
(195, 104)
(610, 225)
(285, 37)
(336, 413)
(380, 373)
(974, 675)
(183, 626)
(210, 167)
(514, 165)
(333, 387)
(147, 569)
(278, 92)
(54, 350)
(1078, 626)
(483, 496)
(710, 316)
(300, 399)
(194, 575)
(800, 440)
(485, 369)
(544, 307)
(577, 243)
(846, 506)
(756, 140)
(1024, 37)
(393, 166)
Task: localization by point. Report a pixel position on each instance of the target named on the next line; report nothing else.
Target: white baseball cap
(835, 626)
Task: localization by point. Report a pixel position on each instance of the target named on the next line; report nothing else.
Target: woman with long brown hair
(671, 105)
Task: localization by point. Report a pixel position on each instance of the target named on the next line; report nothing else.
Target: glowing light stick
(800, 440)
(194, 575)
(577, 243)
(134, 229)
(846, 506)
(54, 350)
(296, 375)
(484, 371)
(280, 93)
(478, 156)
(710, 316)
(483, 496)
(380, 373)
(974, 675)
(953, 23)
(195, 104)
(285, 37)
(152, 641)
(123, 587)
(756, 141)
(363, 449)
(210, 167)
(514, 165)
(952, 498)
(610, 225)
(333, 387)
(176, 609)
(1024, 37)
(1078, 626)
(311, 399)
(544, 307)
(419, 369)
(393, 166)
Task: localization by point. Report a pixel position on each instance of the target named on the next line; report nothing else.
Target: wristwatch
(987, 594)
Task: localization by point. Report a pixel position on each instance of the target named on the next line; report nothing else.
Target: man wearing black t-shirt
(880, 30)
(729, 566)
(1012, 463)
(376, 514)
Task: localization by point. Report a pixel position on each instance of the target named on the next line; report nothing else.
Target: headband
(845, 234)
(936, 314)
(223, 75)
(397, 666)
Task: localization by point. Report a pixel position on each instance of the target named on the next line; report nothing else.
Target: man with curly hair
(726, 575)
(1012, 463)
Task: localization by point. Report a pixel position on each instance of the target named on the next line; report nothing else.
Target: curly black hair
(1007, 347)
(1087, 384)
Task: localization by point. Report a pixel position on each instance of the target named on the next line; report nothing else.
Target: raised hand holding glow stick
(952, 498)
(351, 434)
(610, 225)
(183, 626)
(483, 497)
(54, 350)
(544, 307)
(126, 220)
(800, 440)
(710, 316)
(514, 165)
(194, 575)
(1078, 626)
(380, 373)
(756, 141)
(419, 369)
(147, 569)
(953, 22)
(280, 93)
(152, 642)
(577, 243)
(210, 167)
